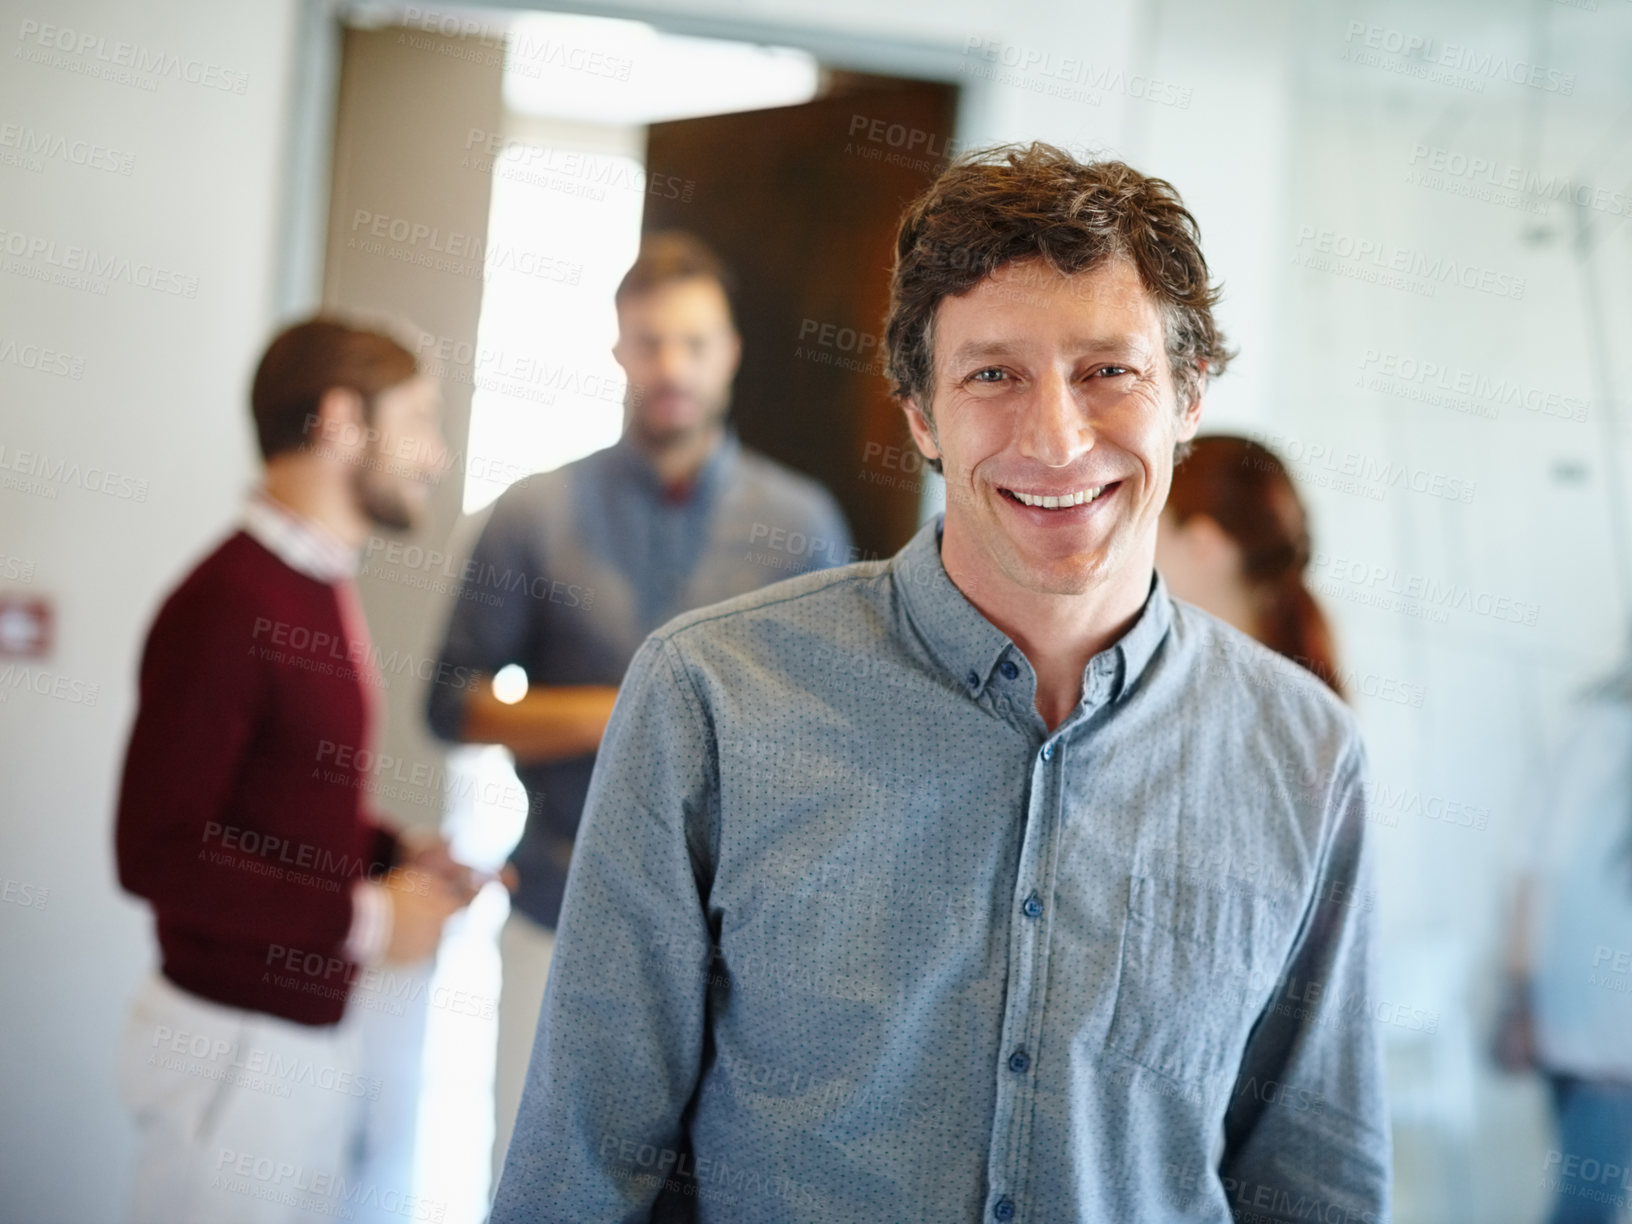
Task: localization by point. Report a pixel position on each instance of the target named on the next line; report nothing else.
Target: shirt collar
(716, 471)
(299, 542)
(971, 648)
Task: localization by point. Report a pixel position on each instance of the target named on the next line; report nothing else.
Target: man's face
(679, 350)
(393, 480)
(1054, 387)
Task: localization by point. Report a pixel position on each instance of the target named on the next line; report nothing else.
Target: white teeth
(1060, 501)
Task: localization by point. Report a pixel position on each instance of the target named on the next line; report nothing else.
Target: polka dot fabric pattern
(851, 935)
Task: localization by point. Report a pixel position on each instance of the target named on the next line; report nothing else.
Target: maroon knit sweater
(241, 815)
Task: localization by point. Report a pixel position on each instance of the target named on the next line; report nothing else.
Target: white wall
(1535, 530)
(161, 398)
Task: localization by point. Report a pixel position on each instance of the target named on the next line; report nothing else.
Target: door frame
(303, 214)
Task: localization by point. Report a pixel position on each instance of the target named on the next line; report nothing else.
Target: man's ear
(341, 423)
(736, 351)
(923, 429)
(1190, 414)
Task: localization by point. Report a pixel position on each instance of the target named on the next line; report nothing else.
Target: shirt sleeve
(1306, 1132)
(200, 695)
(620, 1035)
(371, 921)
(491, 617)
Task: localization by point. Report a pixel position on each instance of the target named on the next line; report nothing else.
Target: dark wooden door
(802, 203)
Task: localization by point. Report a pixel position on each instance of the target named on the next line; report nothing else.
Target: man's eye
(1112, 371)
(989, 375)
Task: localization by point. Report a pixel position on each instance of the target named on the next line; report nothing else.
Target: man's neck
(678, 461)
(334, 509)
(1058, 634)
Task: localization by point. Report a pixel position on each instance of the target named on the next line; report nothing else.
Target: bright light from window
(606, 70)
(563, 228)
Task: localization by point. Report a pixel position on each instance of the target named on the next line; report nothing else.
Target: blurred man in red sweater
(277, 896)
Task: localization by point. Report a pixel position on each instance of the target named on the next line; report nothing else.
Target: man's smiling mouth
(1063, 500)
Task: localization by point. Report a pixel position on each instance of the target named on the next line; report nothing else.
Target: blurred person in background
(1567, 1009)
(574, 567)
(276, 894)
(1234, 540)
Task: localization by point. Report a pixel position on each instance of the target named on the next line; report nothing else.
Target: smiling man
(986, 882)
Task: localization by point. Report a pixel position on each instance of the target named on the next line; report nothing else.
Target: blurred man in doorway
(278, 897)
(576, 566)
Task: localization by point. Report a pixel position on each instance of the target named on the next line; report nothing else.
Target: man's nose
(1054, 428)
(671, 361)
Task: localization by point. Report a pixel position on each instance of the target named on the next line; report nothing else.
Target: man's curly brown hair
(993, 206)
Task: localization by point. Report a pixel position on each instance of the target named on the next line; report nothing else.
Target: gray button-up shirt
(850, 935)
(573, 569)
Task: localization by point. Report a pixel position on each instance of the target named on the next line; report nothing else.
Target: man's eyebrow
(1131, 346)
(980, 350)
(983, 350)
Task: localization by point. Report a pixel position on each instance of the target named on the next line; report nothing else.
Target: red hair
(1245, 488)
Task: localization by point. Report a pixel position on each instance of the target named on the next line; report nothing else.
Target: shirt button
(1009, 670)
(1032, 907)
(1048, 752)
(972, 680)
(1018, 1062)
(1003, 1209)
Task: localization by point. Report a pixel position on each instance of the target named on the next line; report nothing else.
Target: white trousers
(242, 1118)
(389, 1012)
(525, 948)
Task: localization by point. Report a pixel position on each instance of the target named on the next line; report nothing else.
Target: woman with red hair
(1234, 541)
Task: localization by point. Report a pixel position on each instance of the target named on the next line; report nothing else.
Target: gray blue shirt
(850, 935)
(576, 566)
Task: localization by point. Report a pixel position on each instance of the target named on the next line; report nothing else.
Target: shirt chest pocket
(1198, 963)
